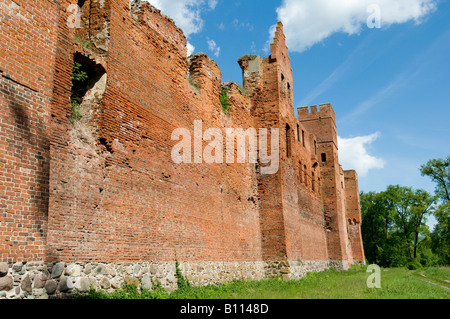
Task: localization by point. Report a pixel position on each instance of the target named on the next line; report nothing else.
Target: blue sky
(389, 86)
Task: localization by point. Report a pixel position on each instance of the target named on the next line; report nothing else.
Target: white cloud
(212, 45)
(185, 13)
(308, 22)
(190, 49)
(212, 4)
(353, 154)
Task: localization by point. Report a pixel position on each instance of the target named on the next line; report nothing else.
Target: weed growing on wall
(78, 78)
(182, 283)
(225, 100)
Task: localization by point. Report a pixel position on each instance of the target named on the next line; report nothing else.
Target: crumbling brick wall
(353, 215)
(119, 196)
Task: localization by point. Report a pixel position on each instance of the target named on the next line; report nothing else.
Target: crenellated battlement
(313, 109)
(314, 112)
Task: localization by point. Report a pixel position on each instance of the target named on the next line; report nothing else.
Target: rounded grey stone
(83, 284)
(50, 286)
(65, 284)
(112, 272)
(58, 270)
(105, 283)
(116, 283)
(153, 269)
(137, 270)
(131, 281)
(6, 283)
(101, 270)
(147, 282)
(39, 281)
(73, 270)
(88, 269)
(26, 284)
(4, 268)
(171, 278)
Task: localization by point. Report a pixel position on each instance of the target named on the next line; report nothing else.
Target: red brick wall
(353, 215)
(105, 188)
(122, 198)
(292, 221)
(323, 124)
(26, 80)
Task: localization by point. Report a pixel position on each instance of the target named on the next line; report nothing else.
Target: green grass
(397, 283)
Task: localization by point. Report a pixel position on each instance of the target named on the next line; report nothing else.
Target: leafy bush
(78, 75)
(428, 259)
(78, 78)
(413, 265)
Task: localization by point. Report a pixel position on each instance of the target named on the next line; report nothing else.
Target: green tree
(440, 238)
(423, 205)
(439, 172)
(394, 228)
(411, 208)
(377, 216)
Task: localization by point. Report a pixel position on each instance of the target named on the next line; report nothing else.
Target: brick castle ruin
(98, 201)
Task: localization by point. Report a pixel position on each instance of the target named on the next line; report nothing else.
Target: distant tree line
(394, 229)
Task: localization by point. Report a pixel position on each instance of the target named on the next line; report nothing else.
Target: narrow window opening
(324, 158)
(301, 172)
(85, 76)
(288, 140)
(303, 138)
(305, 175)
(298, 132)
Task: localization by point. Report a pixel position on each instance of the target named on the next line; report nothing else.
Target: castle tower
(290, 231)
(266, 80)
(322, 123)
(353, 215)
